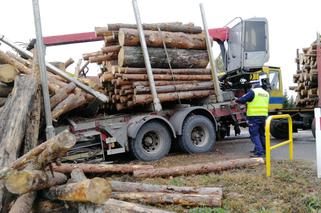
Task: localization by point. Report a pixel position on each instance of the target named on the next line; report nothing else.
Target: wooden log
(199, 168)
(64, 140)
(170, 198)
(24, 203)
(119, 186)
(20, 182)
(69, 62)
(133, 70)
(113, 205)
(50, 206)
(86, 56)
(130, 37)
(7, 73)
(179, 58)
(101, 58)
(62, 94)
(2, 101)
(160, 83)
(5, 90)
(164, 77)
(165, 97)
(111, 49)
(5, 59)
(70, 103)
(96, 190)
(207, 85)
(13, 121)
(172, 27)
(100, 168)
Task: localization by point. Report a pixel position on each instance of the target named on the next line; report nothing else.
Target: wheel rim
(152, 142)
(200, 136)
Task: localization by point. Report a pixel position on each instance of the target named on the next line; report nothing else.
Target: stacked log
(178, 58)
(306, 77)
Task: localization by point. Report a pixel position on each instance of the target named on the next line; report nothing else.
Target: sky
(292, 24)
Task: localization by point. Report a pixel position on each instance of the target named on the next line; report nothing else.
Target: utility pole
(41, 52)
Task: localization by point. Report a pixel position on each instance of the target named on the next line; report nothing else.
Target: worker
(257, 101)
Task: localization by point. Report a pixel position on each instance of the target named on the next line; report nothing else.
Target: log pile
(306, 77)
(178, 58)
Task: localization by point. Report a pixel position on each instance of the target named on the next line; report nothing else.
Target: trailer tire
(152, 142)
(279, 130)
(313, 127)
(198, 135)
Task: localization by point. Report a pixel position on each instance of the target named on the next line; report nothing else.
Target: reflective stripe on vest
(259, 106)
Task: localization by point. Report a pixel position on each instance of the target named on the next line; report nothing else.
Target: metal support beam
(57, 71)
(157, 104)
(50, 131)
(217, 88)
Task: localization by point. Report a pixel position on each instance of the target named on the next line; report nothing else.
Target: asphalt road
(304, 146)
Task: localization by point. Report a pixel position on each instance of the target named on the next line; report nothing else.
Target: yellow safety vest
(259, 106)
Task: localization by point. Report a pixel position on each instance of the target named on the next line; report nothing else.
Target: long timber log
(208, 85)
(133, 70)
(179, 58)
(130, 37)
(171, 27)
(119, 186)
(170, 198)
(100, 168)
(164, 77)
(113, 205)
(199, 168)
(62, 94)
(13, 119)
(165, 97)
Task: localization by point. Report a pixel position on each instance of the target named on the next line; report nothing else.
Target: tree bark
(111, 49)
(165, 97)
(100, 168)
(5, 59)
(172, 27)
(170, 198)
(96, 190)
(179, 58)
(199, 168)
(69, 62)
(2, 101)
(159, 83)
(13, 121)
(118, 186)
(130, 37)
(24, 203)
(132, 70)
(57, 145)
(5, 90)
(112, 205)
(70, 103)
(207, 85)
(164, 77)
(20, 182)
(7, 73)
(62, 94)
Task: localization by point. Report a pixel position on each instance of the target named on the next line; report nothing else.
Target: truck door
(256, 45)
(234, 53)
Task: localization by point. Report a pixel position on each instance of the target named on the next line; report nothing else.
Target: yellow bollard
(268, 146)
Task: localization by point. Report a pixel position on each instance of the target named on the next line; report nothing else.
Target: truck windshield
(255, 36)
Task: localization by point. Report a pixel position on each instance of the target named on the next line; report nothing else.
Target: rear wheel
(198, 135)
(279, 129)
(153, 142)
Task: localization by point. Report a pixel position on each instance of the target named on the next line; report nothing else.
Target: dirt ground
(293, 186)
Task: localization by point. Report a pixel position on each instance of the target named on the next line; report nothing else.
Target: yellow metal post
(268, 140)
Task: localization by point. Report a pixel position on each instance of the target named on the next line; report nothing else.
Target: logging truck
(195, 127)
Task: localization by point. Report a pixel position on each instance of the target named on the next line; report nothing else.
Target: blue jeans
(257, 133)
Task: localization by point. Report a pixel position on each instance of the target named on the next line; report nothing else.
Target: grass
(292, 187)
